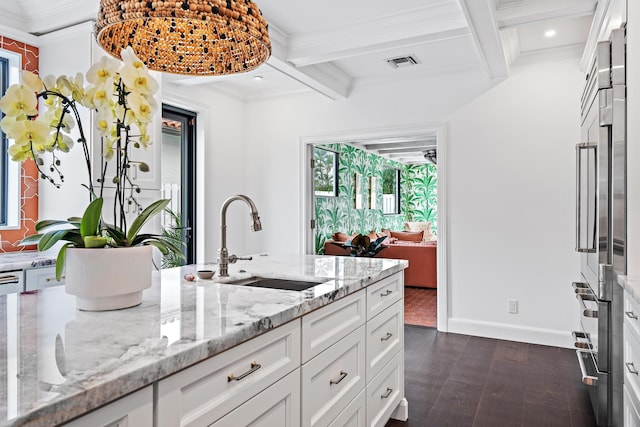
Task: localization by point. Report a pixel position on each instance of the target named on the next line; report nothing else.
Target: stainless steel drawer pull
(586, 311)
(581, 340)
(53, 279)
(387, 394)
(580, 288)
(254, 367)
(632, 369)
(386, 337)
(7, 280)
(386, 294)
(343, 374)
(631, 315)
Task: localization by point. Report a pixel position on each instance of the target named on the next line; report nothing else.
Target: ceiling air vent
(403, 61)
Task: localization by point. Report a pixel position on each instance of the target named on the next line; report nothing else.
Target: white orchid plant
(121, 94)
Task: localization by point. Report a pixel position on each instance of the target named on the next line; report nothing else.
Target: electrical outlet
(513, 306)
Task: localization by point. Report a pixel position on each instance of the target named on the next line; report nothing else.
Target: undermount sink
(284, 284)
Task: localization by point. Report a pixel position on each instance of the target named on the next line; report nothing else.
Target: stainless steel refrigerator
(601, 228)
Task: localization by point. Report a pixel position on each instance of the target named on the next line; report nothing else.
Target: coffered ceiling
(333, 46)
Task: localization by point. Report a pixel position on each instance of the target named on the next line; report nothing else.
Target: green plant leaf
(31, 240)
(91, 218)
(116, 234)
(60, 261)
(51, 238)
(151, 210)
(172, 245)
(160, 245)
(41, 225)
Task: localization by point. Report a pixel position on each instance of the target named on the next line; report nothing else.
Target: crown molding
(511, 44)
(542, 10)
(18, 35)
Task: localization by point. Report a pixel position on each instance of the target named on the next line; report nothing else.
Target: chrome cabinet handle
(631, 315)
(254, 367)
(53, 279)
(387, 394)
(386, 337)
(386, 294)
(632, 369)
(343, 374)
(591, 248)
(580, 288)
(587, 312)
(7, 280)
(581, 340)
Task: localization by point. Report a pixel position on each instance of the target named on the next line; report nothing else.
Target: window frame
(4, 144)
(397, 206)
(336, 172)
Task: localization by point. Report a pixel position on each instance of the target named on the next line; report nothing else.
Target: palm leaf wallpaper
(418, 196)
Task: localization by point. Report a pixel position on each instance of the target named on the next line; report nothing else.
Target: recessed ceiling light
(257, 77)
(550, 33)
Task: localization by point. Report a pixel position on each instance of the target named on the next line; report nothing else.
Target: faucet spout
(223, 253)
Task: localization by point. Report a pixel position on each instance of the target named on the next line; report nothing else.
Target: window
(4, 175)
(325, 172)
(391, 191)
(9, 171)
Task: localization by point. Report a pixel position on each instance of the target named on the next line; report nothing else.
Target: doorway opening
(351, 197)
(178, 178)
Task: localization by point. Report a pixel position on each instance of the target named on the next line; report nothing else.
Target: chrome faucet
(223, 255)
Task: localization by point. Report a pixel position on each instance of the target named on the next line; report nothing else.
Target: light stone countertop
(10, 261)
(57, 362)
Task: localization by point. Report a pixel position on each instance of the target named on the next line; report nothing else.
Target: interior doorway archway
(357, 138)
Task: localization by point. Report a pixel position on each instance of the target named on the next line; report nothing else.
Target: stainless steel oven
(601, 228)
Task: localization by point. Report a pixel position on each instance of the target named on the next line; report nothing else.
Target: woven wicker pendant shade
(203, 37)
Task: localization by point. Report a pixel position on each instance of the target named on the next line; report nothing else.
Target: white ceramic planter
(108, 278)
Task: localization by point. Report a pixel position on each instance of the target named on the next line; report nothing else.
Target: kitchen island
(60, 363)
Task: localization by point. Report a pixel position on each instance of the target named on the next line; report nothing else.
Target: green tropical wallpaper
(418, 194)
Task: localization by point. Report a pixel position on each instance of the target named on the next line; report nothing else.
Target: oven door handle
(586, 311)
(590, 245)
(588, 378)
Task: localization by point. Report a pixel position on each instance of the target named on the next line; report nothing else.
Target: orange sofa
(422, 257)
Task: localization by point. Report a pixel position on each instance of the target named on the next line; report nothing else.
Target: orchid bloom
(32, 81)
(141, 107)
(102, 71)
(26, 132)
(18, 101)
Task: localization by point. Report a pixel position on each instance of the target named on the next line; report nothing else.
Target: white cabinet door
(385, 392)
(135, 410)
(331, 380)
(278, 405)
(205, 392)
(41, 278)
(324, 327)
(384, 293)
(385, 338)
(354, 415)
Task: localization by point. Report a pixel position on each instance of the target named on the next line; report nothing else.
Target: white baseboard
(503, 331)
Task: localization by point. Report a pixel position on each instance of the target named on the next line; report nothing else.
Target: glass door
(178, 183)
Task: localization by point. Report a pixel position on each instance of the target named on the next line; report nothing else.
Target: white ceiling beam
(482, 22)
(543, 10)
(430, 23)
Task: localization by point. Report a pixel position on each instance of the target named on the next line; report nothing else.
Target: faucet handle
(234, 258)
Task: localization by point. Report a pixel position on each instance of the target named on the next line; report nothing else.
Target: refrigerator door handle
(590, 244)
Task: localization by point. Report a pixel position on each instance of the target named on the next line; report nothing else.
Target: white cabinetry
(631, 354)
(278, 405)
(41, 278)
(133, 410)
(11, 282)
(205, 392)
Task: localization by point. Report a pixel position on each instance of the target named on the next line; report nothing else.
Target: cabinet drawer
(385, 337)
(385, 391)
(332, 379)
(631, 417)
(325, 326)
(40, 278)
(278, 405)
(133, 410)
(632, 314)
(203, 393)
(383, 294)
(11, 282)
(631, 354)
(354, 415)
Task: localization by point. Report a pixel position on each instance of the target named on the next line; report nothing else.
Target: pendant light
(199, 37)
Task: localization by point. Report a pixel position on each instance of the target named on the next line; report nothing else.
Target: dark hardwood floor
(459, 380)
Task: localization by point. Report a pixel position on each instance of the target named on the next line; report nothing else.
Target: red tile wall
(9, 239)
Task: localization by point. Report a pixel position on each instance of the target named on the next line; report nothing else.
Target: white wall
(514, 240)
(633, 138)
(511, 187)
